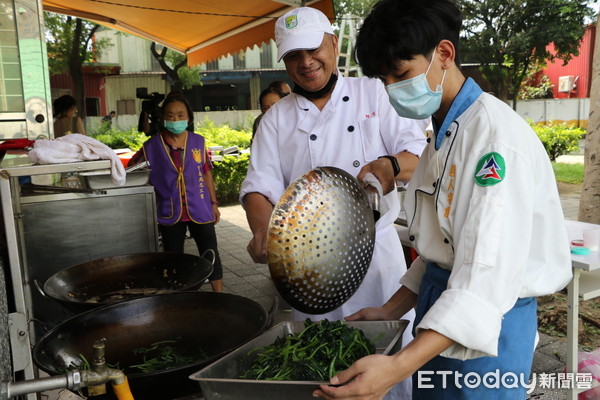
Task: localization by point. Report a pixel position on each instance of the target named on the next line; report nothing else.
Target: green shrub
(228, 176)
(223, 135)
(118, 139)
(558, 138)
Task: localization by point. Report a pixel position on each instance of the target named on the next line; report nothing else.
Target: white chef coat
(501, 242)
(355, 127)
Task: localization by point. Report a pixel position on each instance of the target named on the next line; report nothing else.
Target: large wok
(109, 280)
(216, 322)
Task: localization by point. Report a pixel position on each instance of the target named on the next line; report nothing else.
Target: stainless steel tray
(220, 380)
(101, 179)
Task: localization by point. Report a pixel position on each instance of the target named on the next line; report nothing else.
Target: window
(212, 65)
(266, 56)
(92, 106)
(239, 60)
(11, 85)
(126, 107)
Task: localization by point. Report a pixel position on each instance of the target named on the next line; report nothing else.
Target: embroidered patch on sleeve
(491, 169)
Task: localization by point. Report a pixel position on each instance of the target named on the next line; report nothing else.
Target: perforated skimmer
(320, 240)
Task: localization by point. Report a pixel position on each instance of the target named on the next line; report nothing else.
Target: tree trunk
(75, 63)
(589, 203)
(172, 75)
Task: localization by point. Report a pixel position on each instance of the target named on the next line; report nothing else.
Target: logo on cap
(291, 22)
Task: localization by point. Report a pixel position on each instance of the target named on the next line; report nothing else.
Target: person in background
(330, 120)
(484, 215)
(66, 120)
(109, 117)
(267, 98)
(180, 171)
(282, 87)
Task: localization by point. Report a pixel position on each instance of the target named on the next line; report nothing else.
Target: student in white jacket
(484, 215)
(330, 120)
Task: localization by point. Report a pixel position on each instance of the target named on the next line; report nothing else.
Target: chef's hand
(383, 171)
(369, 378)
(257, 248)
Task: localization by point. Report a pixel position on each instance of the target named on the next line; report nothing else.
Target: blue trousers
(499, 377)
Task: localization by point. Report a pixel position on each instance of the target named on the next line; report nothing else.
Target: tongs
(141, 165)
(374, 201)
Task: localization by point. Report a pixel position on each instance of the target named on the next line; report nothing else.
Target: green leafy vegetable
(317, 353)
(162, 355)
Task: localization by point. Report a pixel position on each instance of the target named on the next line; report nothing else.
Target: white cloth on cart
(77, 147)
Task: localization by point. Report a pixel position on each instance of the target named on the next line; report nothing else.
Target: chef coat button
(356, 163)
(411, 238)
(313, 137)
(448, 133)
(345, 98)
(434, 184)
(446, 241)
(351, 128)
(428, 139)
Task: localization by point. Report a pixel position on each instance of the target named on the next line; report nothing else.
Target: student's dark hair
(62, 104)
(270, 90)
(401, 29)
(174, 97)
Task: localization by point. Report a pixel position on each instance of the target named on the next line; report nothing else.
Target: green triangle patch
(490, 170)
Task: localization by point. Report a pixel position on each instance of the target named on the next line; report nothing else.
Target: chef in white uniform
(330, 120)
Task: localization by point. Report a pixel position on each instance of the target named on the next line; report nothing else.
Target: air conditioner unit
(566, 83)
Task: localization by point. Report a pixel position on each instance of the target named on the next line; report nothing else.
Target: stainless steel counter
(49, 232)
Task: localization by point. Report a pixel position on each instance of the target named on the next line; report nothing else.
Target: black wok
(216, 322)
(109, 280)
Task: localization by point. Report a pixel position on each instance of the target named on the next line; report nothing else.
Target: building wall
(132, 53)
(62, 84)
(579, 66)
(123, 87)
(235, 119)
(572, 111)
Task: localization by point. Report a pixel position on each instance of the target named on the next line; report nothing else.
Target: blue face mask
(177, 127)
(413, 98)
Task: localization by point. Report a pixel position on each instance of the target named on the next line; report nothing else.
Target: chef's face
(311, 69)
(175, 111)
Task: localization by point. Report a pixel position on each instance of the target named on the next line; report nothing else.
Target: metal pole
(70, 380)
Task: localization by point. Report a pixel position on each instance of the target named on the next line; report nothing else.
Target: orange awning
(204, 30)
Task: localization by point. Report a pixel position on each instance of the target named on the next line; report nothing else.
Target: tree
(175, 66)
(507, 37)
(69, 43)
(589, 202)
(359, 8)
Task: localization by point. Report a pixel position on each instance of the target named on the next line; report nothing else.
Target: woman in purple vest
(184, 187)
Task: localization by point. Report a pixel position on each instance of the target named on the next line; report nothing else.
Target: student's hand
(368, 314)
(257, 248)
(383, 171)
(369, 378)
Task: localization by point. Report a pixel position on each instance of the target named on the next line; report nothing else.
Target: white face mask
(413, 98)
